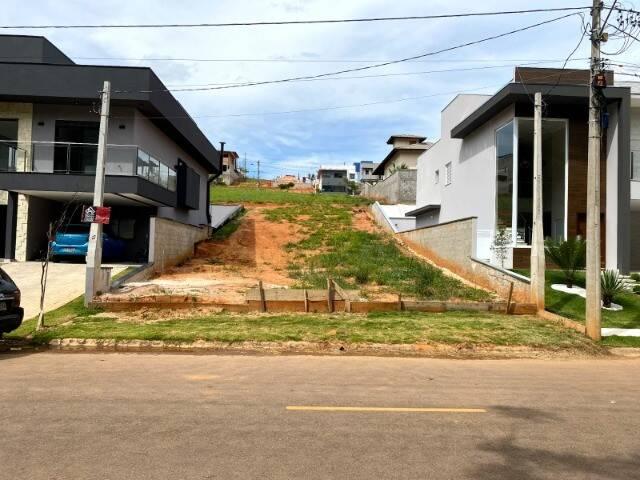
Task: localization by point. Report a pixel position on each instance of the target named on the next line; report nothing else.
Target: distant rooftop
(31, 49)
(418, 138)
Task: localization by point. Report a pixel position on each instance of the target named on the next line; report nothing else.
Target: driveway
(65, 282)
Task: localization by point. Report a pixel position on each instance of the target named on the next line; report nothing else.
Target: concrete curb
(313, 348)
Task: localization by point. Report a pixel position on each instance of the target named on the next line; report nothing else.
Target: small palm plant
(611, 284)
(569, 255)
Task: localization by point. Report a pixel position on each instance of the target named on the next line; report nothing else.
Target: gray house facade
(158, 160)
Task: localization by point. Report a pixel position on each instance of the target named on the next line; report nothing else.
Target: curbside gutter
(421, 350)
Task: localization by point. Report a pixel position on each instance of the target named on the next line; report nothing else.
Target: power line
(297, 22)
(339, 107)
(397, 74)
(285, 60)
(367, 67)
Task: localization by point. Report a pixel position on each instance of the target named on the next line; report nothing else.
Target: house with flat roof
(157, 166)
(397, 172)
(335, 178)
(482, 166)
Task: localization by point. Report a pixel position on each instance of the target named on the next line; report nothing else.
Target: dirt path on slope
(223, 270)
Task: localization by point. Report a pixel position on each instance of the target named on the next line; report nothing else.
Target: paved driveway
(65, 282)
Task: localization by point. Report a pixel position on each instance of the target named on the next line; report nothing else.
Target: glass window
(635, 165)
(142, 168)
(8, 144)
(448, 175)
(164, 175)
(154, 170)
(437, 177)
(171, 184)
(504, 175)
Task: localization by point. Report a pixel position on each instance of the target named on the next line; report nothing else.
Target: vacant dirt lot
(223, 270)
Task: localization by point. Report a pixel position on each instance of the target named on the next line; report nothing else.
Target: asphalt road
(139, 416)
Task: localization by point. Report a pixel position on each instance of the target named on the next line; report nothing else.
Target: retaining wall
(452, 245)
(397, 188)
(172, 242)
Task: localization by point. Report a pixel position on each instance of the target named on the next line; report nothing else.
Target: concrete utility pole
(537, 244)
(94, 251)
(258, 163)
(593, 306)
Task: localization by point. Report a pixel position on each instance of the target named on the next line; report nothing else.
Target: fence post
(329, 295)
(400, 306)
(343, 294)
(306, 301)
(509, 299)
(263, 302)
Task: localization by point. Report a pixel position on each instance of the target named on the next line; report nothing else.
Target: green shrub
(635, 277)
(286, 186)
(362, 275)
(636, 289)
(569, 255)
(610, 284)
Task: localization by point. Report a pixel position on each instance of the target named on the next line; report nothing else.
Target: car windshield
(74, 229)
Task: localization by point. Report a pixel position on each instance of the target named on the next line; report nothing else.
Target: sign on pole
(94, 214)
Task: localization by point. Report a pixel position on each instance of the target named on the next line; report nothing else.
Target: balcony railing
(67, 158)
(635, 166)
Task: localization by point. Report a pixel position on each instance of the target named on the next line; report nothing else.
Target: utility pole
(537, 244)
(246, 174)
(94, 251)
(258, 163)
(593, 305)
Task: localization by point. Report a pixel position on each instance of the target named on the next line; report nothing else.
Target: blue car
(73, 241)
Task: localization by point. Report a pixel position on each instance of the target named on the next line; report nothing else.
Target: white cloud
(306, 139)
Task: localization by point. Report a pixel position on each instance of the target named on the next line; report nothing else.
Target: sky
(264, 123)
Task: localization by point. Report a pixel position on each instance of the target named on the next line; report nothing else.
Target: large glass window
(154, 170)
(142, 168)
(504, 176)
(635, 165)
(76, 146)
(553, 178)
(171, 185)
(8, 144)
(164, 176)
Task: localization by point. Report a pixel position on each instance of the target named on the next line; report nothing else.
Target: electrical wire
(298, 22)
(359, 69)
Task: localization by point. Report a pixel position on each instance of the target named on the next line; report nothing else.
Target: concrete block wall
(452, 245)
(400, 187)
(171, 242)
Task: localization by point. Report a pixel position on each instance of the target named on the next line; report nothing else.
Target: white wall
(472, 190)
(152, 140)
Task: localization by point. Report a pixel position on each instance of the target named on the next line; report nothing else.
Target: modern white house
(482, 166)
(335, 178)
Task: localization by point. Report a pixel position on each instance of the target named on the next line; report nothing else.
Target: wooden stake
(400, 307)
(329, 295)
(306, 301)
(509, 299)
(263, 301)
(344, 295)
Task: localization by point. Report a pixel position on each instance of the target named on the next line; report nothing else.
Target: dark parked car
(73, 241)
(10, 311)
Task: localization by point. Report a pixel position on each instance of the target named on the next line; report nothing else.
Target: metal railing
(635, 166)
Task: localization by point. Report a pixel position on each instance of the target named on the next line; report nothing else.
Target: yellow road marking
(385, 409)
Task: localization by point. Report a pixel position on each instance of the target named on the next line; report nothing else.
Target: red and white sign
(96, 214)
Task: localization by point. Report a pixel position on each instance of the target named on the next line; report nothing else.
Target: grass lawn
(251, 193)
(333, 247)
(468, 328)
(573, 307)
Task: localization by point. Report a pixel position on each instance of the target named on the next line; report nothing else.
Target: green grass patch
(616, 341)
(452, 328)
(573, 306)
(251, 193)
(228, 228)
(70, 312)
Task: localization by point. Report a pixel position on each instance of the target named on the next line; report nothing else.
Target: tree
(501, 244)
(54, 227)
(568, 255)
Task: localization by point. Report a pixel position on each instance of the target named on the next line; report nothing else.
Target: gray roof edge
(478, 116)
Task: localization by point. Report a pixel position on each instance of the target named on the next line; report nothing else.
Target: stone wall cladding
(172, 242)
(452, 245)
(400, 187)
